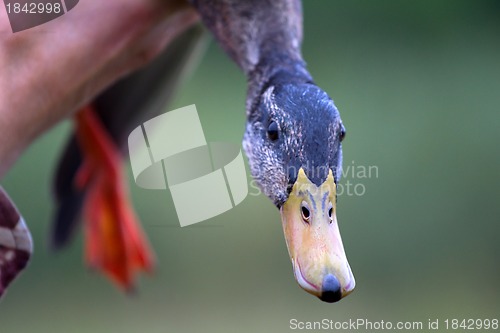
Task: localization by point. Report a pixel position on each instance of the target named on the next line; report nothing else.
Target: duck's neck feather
(262, 36)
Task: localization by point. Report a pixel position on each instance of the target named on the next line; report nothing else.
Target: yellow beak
(313, 239)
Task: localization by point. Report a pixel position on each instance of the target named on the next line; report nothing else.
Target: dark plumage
(264, 38)
(309, 137)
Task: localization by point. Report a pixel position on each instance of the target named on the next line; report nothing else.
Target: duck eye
(273, 131)
(342, 132)
(305, 212)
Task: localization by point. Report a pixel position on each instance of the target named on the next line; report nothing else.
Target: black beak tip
(331, 289)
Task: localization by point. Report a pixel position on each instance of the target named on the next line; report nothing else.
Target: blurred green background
(417, 84)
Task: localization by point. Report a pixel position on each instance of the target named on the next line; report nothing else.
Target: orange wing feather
(114, 241)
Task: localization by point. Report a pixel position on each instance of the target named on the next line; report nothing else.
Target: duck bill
(313, 239)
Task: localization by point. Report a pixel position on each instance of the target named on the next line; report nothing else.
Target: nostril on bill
(331, 290)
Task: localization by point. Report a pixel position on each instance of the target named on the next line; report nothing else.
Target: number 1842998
(33, 8)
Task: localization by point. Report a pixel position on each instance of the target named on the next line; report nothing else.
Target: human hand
(49, 71)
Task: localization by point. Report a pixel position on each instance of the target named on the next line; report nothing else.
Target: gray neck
(262, 36)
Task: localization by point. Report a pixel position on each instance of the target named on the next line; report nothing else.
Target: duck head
(293, 144)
